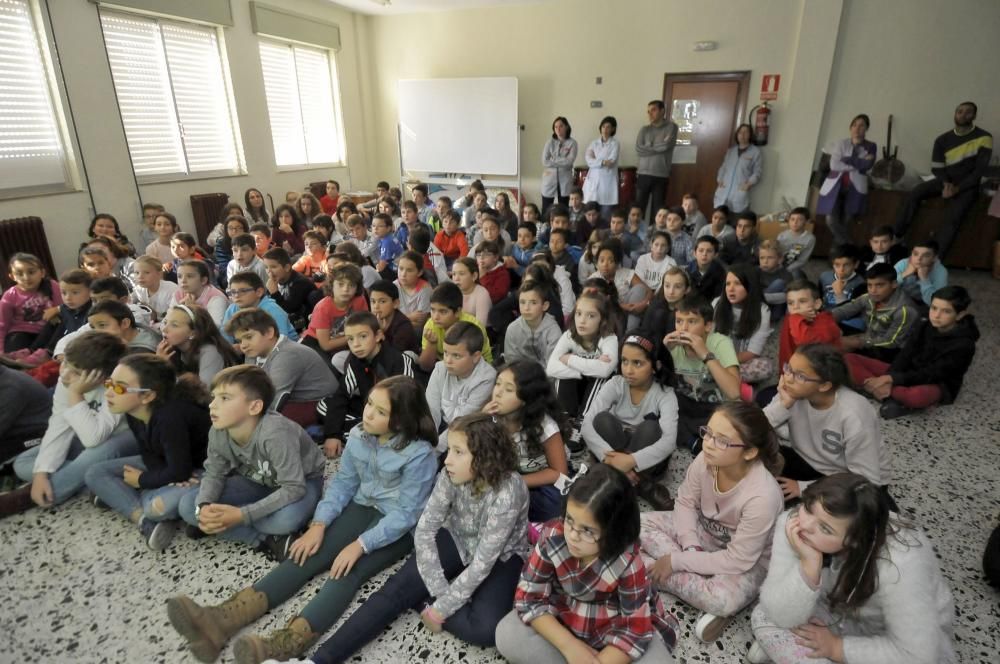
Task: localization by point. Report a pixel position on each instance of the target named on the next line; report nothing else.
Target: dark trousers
(797, 468)
(575, 394)
(991, 558)
(544, 503)
(626, 438)
(650, 188)
(13, 444)
(691, 416)
(958, 208)
(20, 340)
(474, 623)
(548, 200)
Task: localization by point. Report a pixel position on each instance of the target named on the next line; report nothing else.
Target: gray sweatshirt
(796, 248)
(450, 396)
(280, 455)
(522, 343)
(297, 371)
(846, 436)
(655, 147)
(486, 527)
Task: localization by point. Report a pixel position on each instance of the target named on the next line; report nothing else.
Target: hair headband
(641, 342)
(186, 309)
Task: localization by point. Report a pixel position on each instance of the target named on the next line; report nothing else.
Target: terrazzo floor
(78, 586)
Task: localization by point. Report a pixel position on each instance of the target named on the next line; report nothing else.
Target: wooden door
(707, 109)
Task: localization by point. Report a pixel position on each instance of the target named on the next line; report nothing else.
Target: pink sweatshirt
(21, 311)
(741, 520)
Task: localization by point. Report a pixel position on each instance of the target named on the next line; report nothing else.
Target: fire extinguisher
(761, 123)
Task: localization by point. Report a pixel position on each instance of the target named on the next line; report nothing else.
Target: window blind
(31, 143)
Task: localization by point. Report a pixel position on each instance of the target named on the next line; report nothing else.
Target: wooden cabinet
(626, 182)
(973, 246)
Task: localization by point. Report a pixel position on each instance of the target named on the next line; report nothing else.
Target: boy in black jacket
(708, 277)
(931, 365)
(882, 248)
(288, 288)
(370, 361)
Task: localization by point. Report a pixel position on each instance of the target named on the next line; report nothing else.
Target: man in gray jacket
(655, 147)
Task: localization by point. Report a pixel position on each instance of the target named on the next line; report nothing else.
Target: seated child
(312, 263)
(26, 307)
(151, 289)
(261, 233)
(587, 265)
(194, 345)
(773, 278)
(169, 418)
(462, 382)
(631, 244)
(469, 548)
(247, 291)
(263, 473)
(633, 294)
(636, 224)
(671, 220)
(245, 258)
(575, 211)
(74, 286)
(300, 382)
(590, 222)
(107, 288)
(930, 367)
(713, 550)
(81, 430)
(843, 283)
(524, 247)
(235, 224)
(524, 403)
(289, 289)
(806, 322)
(886, 612)
(446, 310)
(389, 249)
(708, 277)
(414, 291)
(743, 246)
(694, 219)
(659, 317)
(183, 246)
(651, 266)
(741, 314)
(631, 424)
(194, 281)
(475, 299)
(832, 428)
(923, 274)
(361, 238)
(147, 231)
(370, 361)
(343, 296)
(562, 253)
(434, 265)
(882, 248)
(797, 243)
(360, 527)
(116, 317)
(706, 367)
(395, 326)
(97, 261)
(25, 415)
(719, 228)
(559, 282)
(345, 252)
(534, 334)
(165, 226)
(451, 238)
(887, 312)
(585, 587)
(493, 276)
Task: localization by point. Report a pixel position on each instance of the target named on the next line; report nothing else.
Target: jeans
(474, 623)
(159, 504)
(70, 477)
(240, 491)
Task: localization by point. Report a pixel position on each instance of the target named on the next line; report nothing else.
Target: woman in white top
(601, 184)
(557, 158)
(740, 172)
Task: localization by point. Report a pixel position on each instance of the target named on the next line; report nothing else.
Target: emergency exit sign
(769, 87)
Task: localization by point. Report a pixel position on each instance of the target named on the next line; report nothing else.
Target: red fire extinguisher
(761, 123)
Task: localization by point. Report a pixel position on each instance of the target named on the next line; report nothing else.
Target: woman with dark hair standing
(557, 158)
(843, 194)
(601, 185)
(740, 171)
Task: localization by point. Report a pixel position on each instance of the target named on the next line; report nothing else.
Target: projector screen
(459, 125)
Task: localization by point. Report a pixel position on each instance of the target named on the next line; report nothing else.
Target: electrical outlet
(600, 79)
(596, 104)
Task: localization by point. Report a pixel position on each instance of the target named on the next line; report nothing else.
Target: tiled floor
(77, 585)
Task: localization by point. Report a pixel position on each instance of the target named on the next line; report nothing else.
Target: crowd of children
(500, 393)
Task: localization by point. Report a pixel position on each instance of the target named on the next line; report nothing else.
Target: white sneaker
(756, 654)
(710, 627)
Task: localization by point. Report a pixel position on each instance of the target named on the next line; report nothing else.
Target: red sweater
(797, 331)
(452, 246)
(496, 282)
(328, 204)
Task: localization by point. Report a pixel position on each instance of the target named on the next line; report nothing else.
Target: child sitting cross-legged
(396, 327)
(922, 274)
(344, 295)
(361, 526)
(170, 421)
(370, 361)
(930, 367)
(843, 282)
(806, 322)
(246, 290)
(584, 595)
(300, 382)
(712, 551)
(263, 473)
(469, 548)
(888, 315)
(446, 310)
(534, 334)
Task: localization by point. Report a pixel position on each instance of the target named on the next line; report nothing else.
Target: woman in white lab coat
(740, 172)
(601, 184)
(557, 158)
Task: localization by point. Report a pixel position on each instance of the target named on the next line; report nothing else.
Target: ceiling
(397, 7)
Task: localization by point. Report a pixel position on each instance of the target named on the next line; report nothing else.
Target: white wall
(76, 29)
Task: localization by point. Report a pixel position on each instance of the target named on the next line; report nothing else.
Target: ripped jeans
(160, 504)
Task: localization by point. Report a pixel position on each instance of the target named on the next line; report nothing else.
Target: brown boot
(16, 501)
(207, 628)
(656, 494)
(283, 644)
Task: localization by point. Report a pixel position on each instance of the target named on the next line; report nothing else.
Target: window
(303, 105)
(33, 144)
(174, 97)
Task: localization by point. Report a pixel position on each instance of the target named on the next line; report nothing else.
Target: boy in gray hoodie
(534, 334)
(887, 312)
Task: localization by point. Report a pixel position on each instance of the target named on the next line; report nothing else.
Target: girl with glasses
(712, 551)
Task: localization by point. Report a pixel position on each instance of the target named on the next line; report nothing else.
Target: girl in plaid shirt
(584, 595)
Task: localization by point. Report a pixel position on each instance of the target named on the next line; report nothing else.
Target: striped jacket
(886, 325)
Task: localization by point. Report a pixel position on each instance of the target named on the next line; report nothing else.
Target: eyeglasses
(799, 376)
(120, 389)
(722, 442)
(585, 534)
(239, 291)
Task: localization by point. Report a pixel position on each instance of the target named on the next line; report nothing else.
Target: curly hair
(535, 391)
(493, 455)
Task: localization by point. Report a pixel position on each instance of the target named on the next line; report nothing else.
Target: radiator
(207, 211)
(23, 234)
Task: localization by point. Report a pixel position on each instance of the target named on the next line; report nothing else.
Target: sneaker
(276, 547)
(656, 495)
(160, 535)
(100, 503)
(194, 532)
(756, 654)
(891, 409)
(710, 627)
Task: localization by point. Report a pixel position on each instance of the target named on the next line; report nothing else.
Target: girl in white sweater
(712, 551)
(850, 583)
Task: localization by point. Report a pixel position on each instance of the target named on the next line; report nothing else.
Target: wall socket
(596, 104)
(599, 80)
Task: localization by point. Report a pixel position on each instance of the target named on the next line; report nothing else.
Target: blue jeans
(160, 504)
(240, 491)
(70, 477)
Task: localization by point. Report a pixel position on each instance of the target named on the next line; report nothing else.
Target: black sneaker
(100, 503)
(194, 532)
(891, 409)
(158, 534)
(655, 494)
(276, 547)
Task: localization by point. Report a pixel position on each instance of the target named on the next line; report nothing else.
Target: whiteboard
(459, 125)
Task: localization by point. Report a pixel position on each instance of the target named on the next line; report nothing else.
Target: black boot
(891, 409)
(16, 501)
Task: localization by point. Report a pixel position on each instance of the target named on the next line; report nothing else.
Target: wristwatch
(708, 356)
